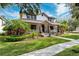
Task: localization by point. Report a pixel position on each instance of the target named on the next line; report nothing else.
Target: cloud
(8, 14)
(48, 13)
(61, 9)
(13, 14)
(65, 16)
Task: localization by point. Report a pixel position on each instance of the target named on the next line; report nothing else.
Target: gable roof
(48, 16)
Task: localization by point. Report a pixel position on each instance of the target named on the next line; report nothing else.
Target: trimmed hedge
(12, 38)
(17, 38)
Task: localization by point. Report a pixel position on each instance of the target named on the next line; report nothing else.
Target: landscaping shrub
(32, 35)
(13, 38)
(16, 27)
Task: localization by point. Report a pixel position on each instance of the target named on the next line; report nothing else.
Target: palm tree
(29, 9)
(14, 29)
(32, 9)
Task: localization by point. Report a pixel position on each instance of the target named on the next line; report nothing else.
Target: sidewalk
(63, 38)
(52, 50)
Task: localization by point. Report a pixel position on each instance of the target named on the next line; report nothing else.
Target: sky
(59, 11)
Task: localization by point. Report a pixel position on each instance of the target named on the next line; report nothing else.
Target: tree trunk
(20, 15)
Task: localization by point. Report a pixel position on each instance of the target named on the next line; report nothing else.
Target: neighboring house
(0, 23)
(1, 26)
(76, 30)
(42, 23)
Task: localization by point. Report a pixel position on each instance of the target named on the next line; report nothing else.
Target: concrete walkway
(63, 38)
(52, 50)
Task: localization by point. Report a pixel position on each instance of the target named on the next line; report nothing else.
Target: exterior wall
(40, 17)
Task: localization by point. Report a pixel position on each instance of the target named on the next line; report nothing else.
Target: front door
(43, 28)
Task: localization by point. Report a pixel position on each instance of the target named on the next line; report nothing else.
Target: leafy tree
(75, 10)
(73, 24)
(18, 27)
(64, 25)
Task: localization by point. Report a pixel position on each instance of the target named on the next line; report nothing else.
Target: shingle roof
(48, 16)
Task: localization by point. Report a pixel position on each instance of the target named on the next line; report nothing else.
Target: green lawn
(73, 51)
(72, 36)
(21, 47)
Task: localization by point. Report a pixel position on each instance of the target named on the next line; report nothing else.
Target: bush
(33, 34)
(16, 27)
(14, 38)
(11, 38)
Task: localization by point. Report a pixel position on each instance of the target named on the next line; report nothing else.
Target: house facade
(42, 23)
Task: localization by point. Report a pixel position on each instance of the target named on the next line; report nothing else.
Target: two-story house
(42, 23)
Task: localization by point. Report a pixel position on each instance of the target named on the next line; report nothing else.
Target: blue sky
(59, 11)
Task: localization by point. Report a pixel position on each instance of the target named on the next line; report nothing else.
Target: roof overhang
(41, 22)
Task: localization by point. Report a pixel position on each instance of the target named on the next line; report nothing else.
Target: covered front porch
(45, 27)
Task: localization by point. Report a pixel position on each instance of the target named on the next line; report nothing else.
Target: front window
(33, 27)
(51, 27)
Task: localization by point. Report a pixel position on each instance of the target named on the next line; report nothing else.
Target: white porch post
(37, 27)
(55, 29)
(41, 28)
(47, 28)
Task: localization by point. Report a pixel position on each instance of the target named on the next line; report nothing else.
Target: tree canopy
(18, 27)
(27, 8)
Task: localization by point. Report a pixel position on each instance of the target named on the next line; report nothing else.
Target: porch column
(49, 29)
(38, 27)
(41, 28)
(55, 29)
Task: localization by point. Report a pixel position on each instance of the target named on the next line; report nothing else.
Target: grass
(21, 47)
(72, 36)
(73, 51)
